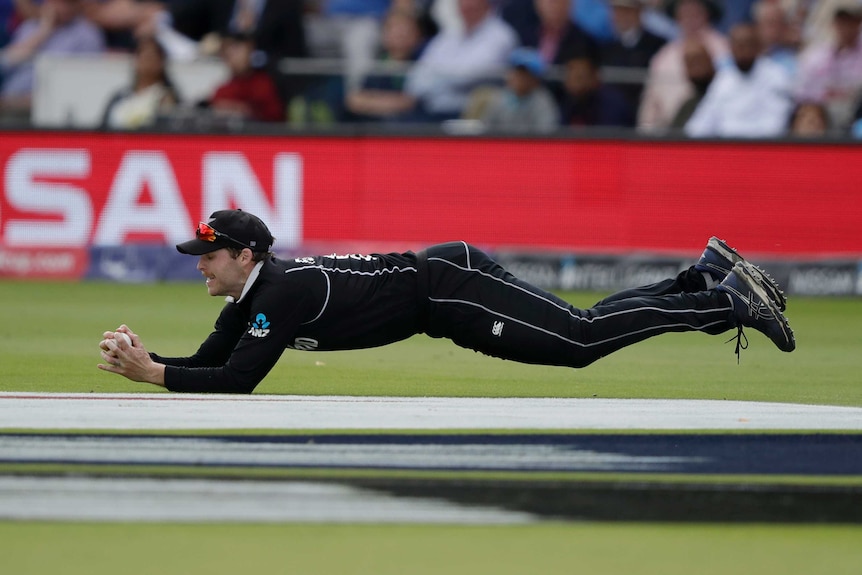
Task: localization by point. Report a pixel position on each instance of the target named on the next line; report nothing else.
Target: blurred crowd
(703, 68)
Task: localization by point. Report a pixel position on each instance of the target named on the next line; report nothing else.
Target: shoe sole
(746, 272)
(773, 291)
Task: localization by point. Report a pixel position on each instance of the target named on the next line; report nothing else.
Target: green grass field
(546, 549)
(49, 335)
(48, 342)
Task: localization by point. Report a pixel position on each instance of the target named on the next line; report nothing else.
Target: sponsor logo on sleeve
(260, 327)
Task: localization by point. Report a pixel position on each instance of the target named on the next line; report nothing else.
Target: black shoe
(718, 259)
(752, 306)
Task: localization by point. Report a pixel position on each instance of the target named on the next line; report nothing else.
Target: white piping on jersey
(467, 252)
(511, 285)
(590, 320)
(325, 301)
(566, 308)
(324, 269)
(495, 278)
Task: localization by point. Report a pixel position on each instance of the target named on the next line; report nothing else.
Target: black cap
(229, 228)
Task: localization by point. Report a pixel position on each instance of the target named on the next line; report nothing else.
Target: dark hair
(713, 8)
(582, 51)
(591, 58)
(164, 78)
(255, 256)
(821, 108)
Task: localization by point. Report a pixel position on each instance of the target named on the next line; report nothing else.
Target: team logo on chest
(260, 327)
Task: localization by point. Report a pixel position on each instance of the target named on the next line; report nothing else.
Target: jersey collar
(255, 271)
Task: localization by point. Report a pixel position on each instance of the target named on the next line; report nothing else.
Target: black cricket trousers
(476, 303)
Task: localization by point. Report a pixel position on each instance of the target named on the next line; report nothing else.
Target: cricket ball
(118, 335)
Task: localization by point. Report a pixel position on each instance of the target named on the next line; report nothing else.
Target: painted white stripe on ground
(175, 411)
(116, 499)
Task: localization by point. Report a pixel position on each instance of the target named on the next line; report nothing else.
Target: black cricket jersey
(449, 290)
(318, 303)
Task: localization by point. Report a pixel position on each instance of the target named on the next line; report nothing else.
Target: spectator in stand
(633, 47)
(750, 99)
(700, 71)
(189, 29)
(667, 86)
(151, 94)
(12, 13)
(276, 26)
(587, 102)
(520, 15)
(817, 18)
(594, 17)
(525, 105)
(656, 19)
(120, 19)
(773, 29)
(382, 96)
(831, 71)
(557, 37)
(350, 30)
(250, 94)
(856, 126)
(8, 21)
(455, 61)
(447, 15)
(797, 12)
(60, 28)
(735, 12)
(421, 10)
(809, 120)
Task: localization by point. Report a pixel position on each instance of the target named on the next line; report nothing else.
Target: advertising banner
(65, 194)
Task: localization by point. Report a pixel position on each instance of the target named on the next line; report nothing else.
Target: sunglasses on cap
(207, 233)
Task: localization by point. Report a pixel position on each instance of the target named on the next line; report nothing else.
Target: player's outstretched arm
(129, 360)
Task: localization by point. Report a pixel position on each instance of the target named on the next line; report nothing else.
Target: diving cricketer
(452, 290)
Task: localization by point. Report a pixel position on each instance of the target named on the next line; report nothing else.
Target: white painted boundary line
(158, 411)
(205, 500)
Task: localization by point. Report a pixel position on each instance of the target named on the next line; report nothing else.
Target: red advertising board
(70, 191)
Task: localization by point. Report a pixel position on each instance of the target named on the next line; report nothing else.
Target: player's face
(225, 275)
